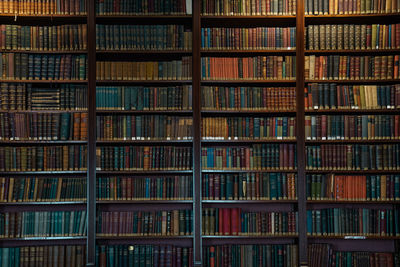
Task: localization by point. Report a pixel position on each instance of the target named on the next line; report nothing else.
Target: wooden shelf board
(256, 236)
(151, 142)
(133, 237)
(244, 141)
(247, 112)
(32, 203)
(362, 81)
(245, 202)
(44, 81)
(112, 202)
(248, 171)
(350, 141)
(353, 171)
(333, 201)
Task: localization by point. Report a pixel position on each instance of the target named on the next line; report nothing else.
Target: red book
(226, 221)
(235, 221)
(220, 221)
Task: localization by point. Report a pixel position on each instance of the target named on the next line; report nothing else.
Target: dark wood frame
(196, 20)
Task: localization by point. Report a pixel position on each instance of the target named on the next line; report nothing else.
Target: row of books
(43, 224)
(145, 188)
(353, 157)
(324, 255)
(145, 70)
(27, 96)
(43, 38)
(353, 127)
(51, 256)
(249, 186)
(353, 36)
(145, 223)
(253, 157)
(144, 255)
(248, 38)
(43, 158)
(22, 66)
(248, 68)
(360, 258)
(248, 98)
(355, 221)
(248, 8)
(43, 126)
(37, 189)
(339, 7)
(248, 128)
(351, 187)
(143, 7)
(250, 255)
(143, 37)
(144, 98)
(143, 127)
(49, 7)
(332, 96)
(144, 158)
(335, 67)
(235, 221)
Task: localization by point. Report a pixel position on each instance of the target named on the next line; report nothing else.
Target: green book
(65, 126)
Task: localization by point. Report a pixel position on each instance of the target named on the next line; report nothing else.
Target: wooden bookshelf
(195, 22)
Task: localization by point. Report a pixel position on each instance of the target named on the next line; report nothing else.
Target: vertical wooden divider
(91, 173)
(196, 74)
(301, 182)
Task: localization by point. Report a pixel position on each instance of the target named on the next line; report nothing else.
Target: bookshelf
(193, 125)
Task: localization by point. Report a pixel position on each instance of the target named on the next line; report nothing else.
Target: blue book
(309, 221)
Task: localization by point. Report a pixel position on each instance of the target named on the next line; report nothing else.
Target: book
(249, 186)
(235, 221)
(39, 189)
(143, 127)
(251, 255)
(365, 36)
(144, 223)
(180, 69)
(353, 222)
(352, 127)
(253, 157)
(248, 68)
(353, 157)
(248, 98)
(144, 158)
(144, 255)
(43, 38)
(24, 66)
(336, 67)
(43, 158)
(247, 8)
(335, 7)
(43, 126)
(248, 128)
(352, 67)
(353, 187)
(363, 97)
(43, 224)
(144, 7)
(49, 7)
(144, 188)
(144, 98)
(143, 37)
(255, 38)
(46, 255)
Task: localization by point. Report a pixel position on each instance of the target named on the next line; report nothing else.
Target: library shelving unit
(135, 118)
(43, 189)
(355, 185)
